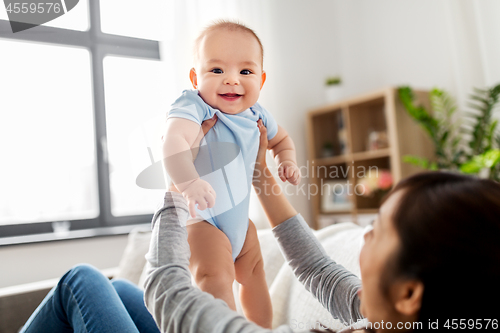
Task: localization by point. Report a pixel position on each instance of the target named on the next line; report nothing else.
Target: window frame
(99, 45)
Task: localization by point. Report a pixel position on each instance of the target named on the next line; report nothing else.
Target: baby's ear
(194, 79)
(263, 79)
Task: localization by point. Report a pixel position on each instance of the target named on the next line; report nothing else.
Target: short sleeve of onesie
(190, 106)
(268, 121)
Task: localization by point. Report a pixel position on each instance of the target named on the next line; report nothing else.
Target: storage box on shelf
(348, 138)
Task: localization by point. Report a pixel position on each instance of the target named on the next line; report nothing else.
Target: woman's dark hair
(449, 230)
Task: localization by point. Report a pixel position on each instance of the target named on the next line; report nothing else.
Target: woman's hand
(260, 163)
(205, 127)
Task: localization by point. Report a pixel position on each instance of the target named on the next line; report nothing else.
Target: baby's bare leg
(254, 293)
(211, 261)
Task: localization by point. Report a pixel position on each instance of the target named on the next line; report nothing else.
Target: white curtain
(474, 30)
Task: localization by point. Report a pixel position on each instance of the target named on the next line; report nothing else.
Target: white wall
(451, 44)
(35, 262)
(391, 42)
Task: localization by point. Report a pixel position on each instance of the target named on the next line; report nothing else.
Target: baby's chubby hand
(199, 192)
(288, 170)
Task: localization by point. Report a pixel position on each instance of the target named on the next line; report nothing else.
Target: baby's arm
(181, 139)
(286, 158)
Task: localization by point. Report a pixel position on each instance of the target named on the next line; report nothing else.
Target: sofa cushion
(293, 305)
(133, 258)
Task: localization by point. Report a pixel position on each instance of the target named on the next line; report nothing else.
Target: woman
(434, 242)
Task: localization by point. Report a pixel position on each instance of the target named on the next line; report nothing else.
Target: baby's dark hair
(229, 26)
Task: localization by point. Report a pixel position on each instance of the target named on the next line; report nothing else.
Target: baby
(227, 79)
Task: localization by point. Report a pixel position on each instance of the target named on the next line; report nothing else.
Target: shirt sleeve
(176, 305)
(330, 283)
(268, 121)
(192, 107)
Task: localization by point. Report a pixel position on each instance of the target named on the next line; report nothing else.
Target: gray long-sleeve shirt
(177, 306)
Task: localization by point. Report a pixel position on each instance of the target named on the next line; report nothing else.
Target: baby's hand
(288, 170)
(199, 192)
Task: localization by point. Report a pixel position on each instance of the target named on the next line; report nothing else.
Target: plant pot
(333, 93)
(327, 152)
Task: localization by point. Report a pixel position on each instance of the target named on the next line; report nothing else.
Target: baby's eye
(216, 71)
(246, 72)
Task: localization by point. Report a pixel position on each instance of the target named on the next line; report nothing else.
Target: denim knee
(82, 272)
(85, 269)
(121, 285)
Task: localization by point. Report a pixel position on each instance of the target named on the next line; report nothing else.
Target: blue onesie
(238, 136)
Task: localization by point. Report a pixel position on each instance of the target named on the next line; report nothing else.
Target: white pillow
(133, 259)
(293, 305)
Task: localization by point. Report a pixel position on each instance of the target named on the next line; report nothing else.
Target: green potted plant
(327, 149)
(333, 89)
(471, 145)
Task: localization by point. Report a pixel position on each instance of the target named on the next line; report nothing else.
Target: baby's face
(228, 72)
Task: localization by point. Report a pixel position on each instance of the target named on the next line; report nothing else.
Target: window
(135, 111)
(47, 135)
(81, 111)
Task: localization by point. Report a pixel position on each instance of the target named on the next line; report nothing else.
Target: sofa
(292, 304)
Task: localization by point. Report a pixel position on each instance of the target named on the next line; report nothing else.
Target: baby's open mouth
(230, 97)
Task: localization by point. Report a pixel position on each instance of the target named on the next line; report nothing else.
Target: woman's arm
(175, 304)
(264, 184)
(334, 286)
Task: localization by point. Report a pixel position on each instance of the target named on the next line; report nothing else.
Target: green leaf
(419, 113)
(471, 167)
(480, 99)
(491, 158)
(444, 137)
(417, 161)
(487, 160)
(489, 135)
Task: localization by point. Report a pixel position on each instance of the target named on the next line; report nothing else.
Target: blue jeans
(84, 300)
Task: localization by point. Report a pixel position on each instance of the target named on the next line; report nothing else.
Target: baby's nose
(231, 80)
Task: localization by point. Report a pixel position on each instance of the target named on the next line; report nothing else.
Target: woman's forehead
(387, 210)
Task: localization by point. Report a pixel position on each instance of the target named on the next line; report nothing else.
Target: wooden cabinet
(343, 148)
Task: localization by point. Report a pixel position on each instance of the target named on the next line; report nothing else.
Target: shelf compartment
(335, 171)
(366, 155)
(331, 160)
(367, 211)
(368, 116)
(335, 188)
(367, 203)
(326, 131)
